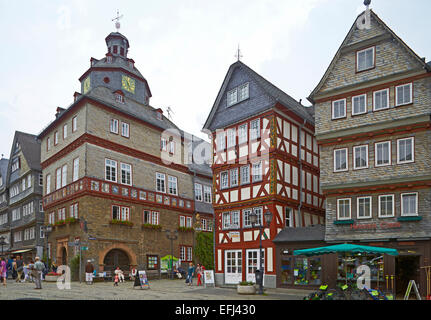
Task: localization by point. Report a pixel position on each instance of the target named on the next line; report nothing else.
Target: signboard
(143, 280)
(412, 283)
(84, 248)
(209, 277)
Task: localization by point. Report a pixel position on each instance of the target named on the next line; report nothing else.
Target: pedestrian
(120, 274)
(190, 274)
(198, 273)
(38, 268)
(14, 273)
(116, 280)
(54, 267)
(3, 270)
(30, 268)
(89, 269)
(19, 268)
(26, 271)
(133, 273)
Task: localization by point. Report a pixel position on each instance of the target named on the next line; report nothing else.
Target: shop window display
(286, 271)
(347, 266)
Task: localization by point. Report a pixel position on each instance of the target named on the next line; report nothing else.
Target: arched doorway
(63, 253)
(116, 258)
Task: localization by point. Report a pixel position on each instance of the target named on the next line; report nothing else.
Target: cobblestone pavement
(159, 290)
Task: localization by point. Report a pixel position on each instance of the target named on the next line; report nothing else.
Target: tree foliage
(204, 249)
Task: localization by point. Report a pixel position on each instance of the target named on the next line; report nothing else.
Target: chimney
(59, 110)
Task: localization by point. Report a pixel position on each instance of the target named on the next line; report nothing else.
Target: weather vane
(117, 20)
(367, 3)
(238, 54)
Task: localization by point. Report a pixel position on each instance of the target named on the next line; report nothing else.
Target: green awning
(168, 258)
(345, 248)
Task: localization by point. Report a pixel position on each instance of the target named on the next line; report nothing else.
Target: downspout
(300, 167)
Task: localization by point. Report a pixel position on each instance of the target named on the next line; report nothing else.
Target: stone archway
(62, 257)
(117, 254)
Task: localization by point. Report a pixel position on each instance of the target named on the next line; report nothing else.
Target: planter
(51, 278)
(246, 289)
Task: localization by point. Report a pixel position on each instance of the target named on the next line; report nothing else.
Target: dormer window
(119, 98)
(365, 59)
(109, 59)
(115, 49)
(122, 51)
(238, 94)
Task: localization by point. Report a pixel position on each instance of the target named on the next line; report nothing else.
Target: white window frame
(257, 171)
(387, 99)
(393, 205)
(114, 125)
(198, 192)
(353, 104)
(288, 221)
(127, 169)
(344, 109)
(74, 123)
(64, 175)
(173, 185)
(243, 88)
(48, 183)
(254, 129)
(338, 209)
(232, 97)
(347, 160)
(242, 133)
(370, 213)
(231, 137)
(110, 163)
(207, 194)
(410, 92)
(160, 177)
(243, 175)
(125, 129)
(221, 140)
(226, 184)
(365, 57)
(354, 157)
(75, 174)
(234, 177)
(417, 205)
(413, 150)
(64, 131)
(376, 155)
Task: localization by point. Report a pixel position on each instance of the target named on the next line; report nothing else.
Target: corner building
(106, 183)
(265, 158)
(373, 109)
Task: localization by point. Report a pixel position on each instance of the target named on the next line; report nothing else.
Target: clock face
(128, 84)
(87, 85)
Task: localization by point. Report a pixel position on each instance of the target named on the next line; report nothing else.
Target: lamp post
(2, 243)
(47, 230)
(172, 236)
(254, 217)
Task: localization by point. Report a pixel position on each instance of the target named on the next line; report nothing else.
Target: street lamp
(2, 243)
(254, 217)
(172, 236)
(47, 230)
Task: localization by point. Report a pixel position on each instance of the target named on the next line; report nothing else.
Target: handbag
(187, 280)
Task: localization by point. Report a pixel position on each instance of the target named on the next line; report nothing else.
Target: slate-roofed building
(373, 109)
(4, 197)
(115, 172)
(25, 208)
(265, 158)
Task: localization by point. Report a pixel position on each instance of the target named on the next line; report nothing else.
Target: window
(243, 92)
(403, 94)
(246, 218)
(55, 138)
(288, 217)
(75, 174)
(125, 214)
(255, 129)
(386, 206)
(110, 170)
(15, 164)
(160, 182)
(151, 217)
(242, 134)
(343, 209)
(172, 185)
(40, 179)
(3, 219)
(359, 104)
(409, 204)
(120, 213)
(29, 181)
(40, 206)
(182, 221)
(61, 214)
(231, 220)
(365, 59)
(152, 263)
(340, 160)
(63, 176)
(119, 98)
(406, 152)
(231, 138)
(125, 129)
(16, 214)
(232, 97)
(14, 190)
(186, 253)
(171, 147)
(17, 236)
(381, 100)
(74, 124)
(163, 144)
(48, 143)
(360, 156)
(224, 180)
(245, 175)
(73, 211)
(23, 184)
(189, 222)
(65, 131)
(198, 192)
(207, 194)
(41, 233)
(58, 179)
(383, 153)
(364, 207)
(257, 171)
(48, 183)
(51, 218)
(221, 141)
(339, 109)
(234, 177)
(259, 213)
(126, 174)
(113, 126)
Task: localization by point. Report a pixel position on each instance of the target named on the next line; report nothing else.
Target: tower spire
(238, 54)
(117, 21)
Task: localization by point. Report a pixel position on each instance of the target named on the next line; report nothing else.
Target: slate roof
(30, 147)
(311, 233)
(3, 170)
(273, 92)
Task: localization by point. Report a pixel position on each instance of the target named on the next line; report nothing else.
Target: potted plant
(52, 277)
(246, 287)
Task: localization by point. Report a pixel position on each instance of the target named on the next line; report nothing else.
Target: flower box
(152, 226)
(246, 288)
(122, 223)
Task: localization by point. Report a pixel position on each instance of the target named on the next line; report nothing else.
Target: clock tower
(116, 72)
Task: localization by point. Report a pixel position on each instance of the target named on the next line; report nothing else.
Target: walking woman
(190, 274)
(3, 270)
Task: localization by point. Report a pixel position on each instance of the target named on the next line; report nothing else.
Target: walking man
(3, 269)
(38, 268)
(19, 268)
(89, 269)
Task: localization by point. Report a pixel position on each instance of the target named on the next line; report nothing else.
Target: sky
(183, 48)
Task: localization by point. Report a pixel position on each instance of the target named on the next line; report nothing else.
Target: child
(116, 280)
